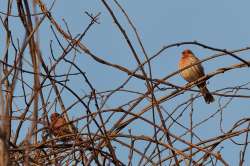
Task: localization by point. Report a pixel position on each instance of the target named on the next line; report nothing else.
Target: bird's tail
(208, 97)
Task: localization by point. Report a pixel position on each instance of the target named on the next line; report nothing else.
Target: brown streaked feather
(208, 97)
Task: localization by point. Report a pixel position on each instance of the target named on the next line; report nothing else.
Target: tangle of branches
(139, 120)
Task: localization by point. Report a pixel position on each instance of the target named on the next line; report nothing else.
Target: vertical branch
(191, 128)
(4, 129)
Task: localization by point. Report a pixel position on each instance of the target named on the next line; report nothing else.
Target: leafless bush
(123, 125)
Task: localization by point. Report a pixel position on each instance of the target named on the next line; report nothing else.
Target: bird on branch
(194, 72)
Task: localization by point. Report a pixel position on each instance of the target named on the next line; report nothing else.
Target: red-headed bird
(60, 127)
(194, 73)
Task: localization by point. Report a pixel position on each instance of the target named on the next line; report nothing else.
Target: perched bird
(60, 127)
(194, 73)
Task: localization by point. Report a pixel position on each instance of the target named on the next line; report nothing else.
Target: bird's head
(186, 52)
(54, 116)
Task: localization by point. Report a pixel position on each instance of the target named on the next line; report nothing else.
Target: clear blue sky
(223, 24)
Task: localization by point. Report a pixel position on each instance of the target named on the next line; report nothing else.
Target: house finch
(60, 127)
(194, 73)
